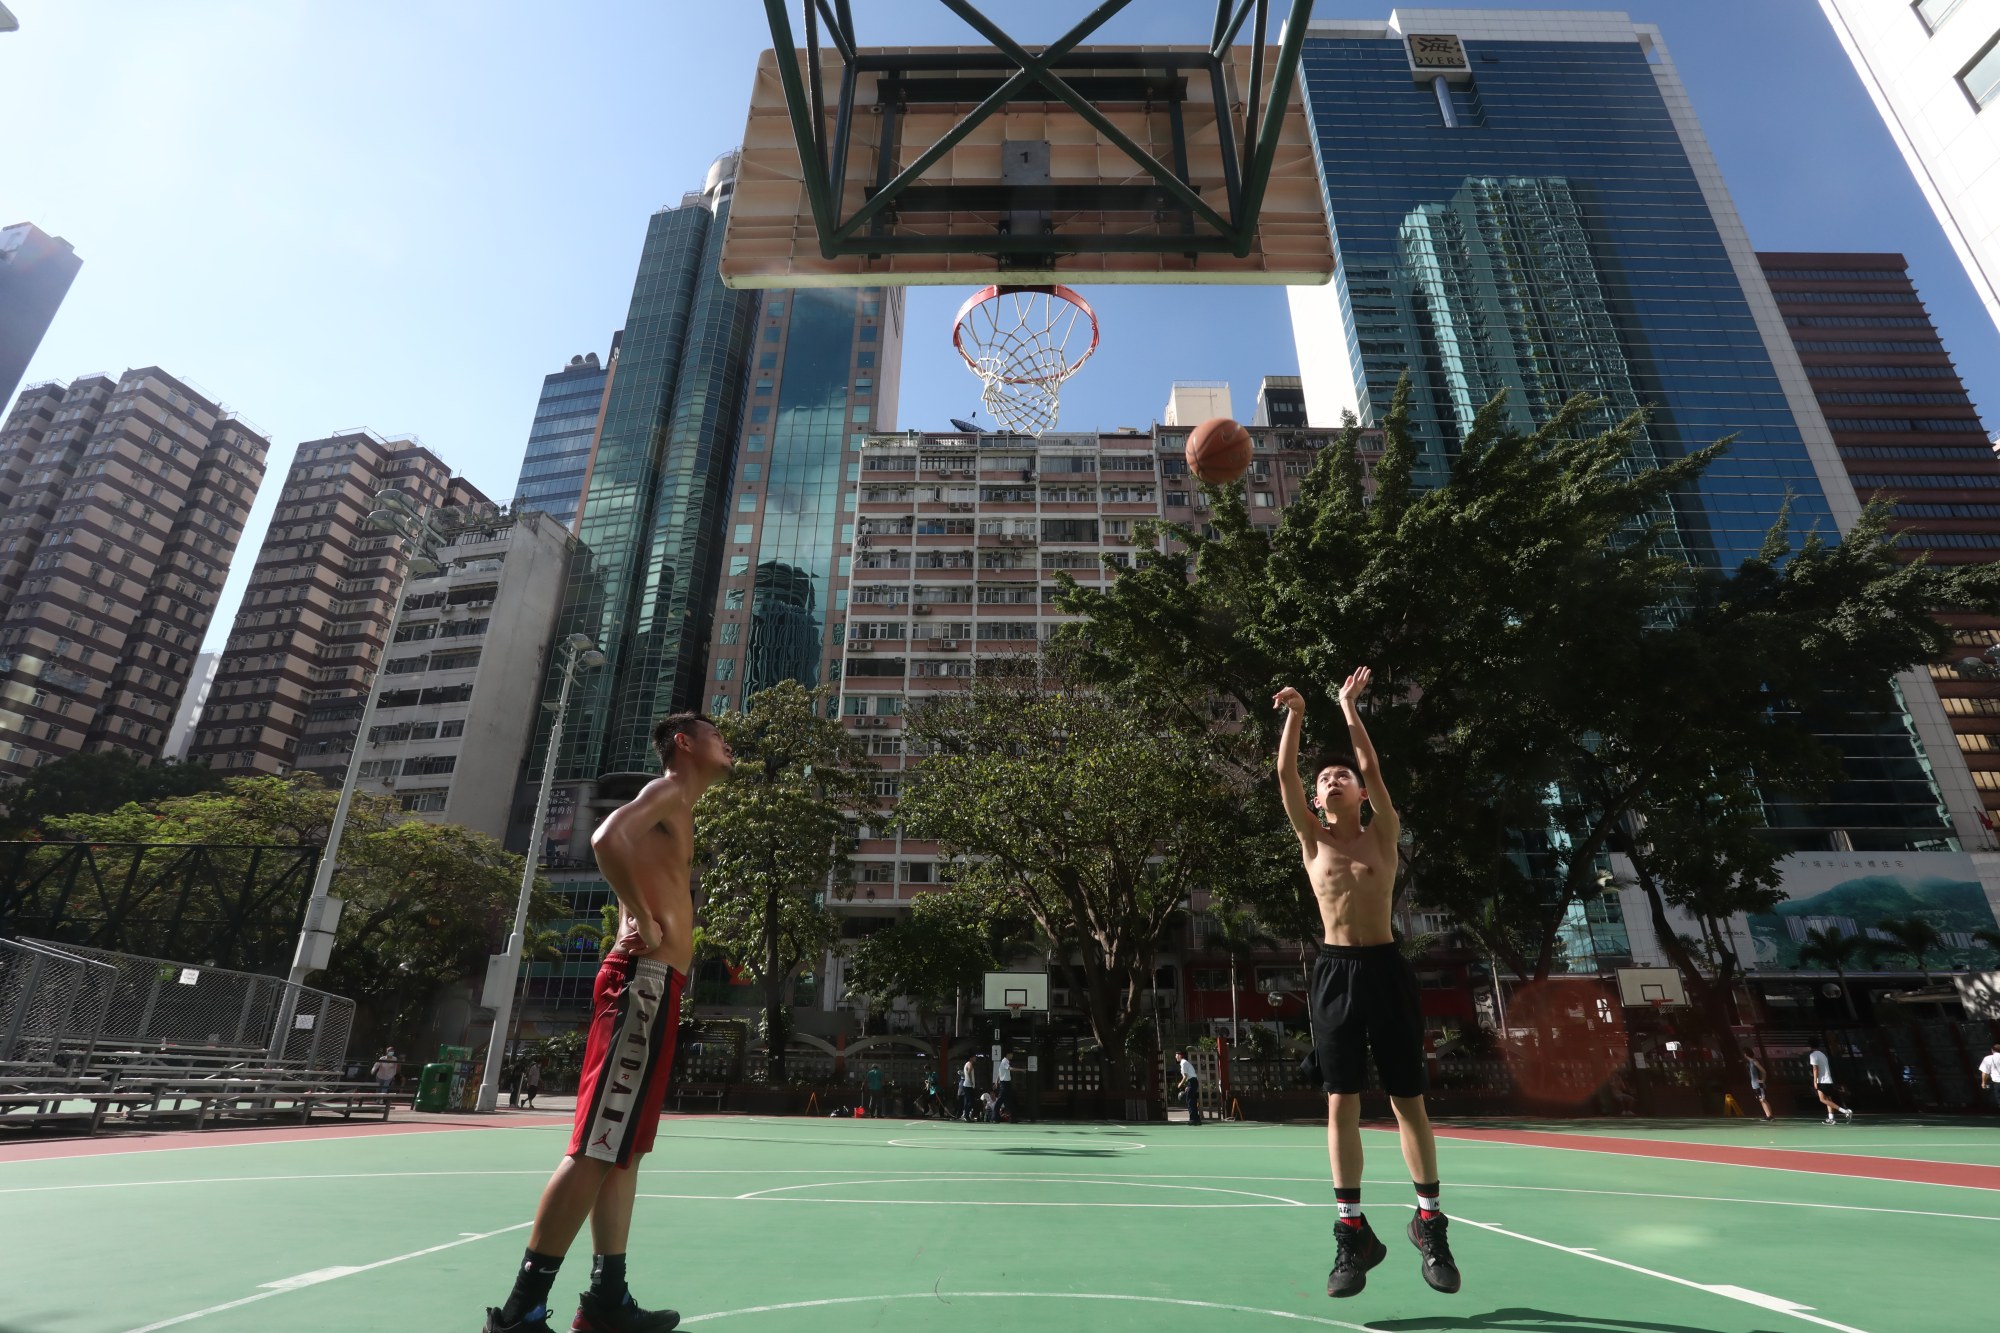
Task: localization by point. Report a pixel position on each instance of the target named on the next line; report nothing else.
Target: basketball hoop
(1016, 339)
(1015, 1007)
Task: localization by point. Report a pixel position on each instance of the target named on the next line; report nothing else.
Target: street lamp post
(579, 654)
(395, 512)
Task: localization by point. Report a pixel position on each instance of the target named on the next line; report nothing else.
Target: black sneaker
(1356, 1250)
(1427, 1234)
(596, 1316)
(535, 1322)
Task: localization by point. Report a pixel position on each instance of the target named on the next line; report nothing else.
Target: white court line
(325, 1275)
(944, 1297)
(933, 1178)
(972, 1203)
(1757, 1298)
(1091, 1145)
(1750, 1166)
(918, 1176)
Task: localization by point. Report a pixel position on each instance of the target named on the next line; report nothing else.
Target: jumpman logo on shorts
(602, 1140)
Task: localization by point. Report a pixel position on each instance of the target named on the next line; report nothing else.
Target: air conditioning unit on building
(967, 474)
(861, 647)
(920, 610)
(948, 643)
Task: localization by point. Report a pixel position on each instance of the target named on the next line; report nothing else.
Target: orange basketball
(1218, 451)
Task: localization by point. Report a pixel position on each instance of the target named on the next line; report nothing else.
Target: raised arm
(1364, 749)
(1297, 808)
(618, 839)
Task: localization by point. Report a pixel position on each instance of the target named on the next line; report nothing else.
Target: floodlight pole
(577, 649)
(412, 523)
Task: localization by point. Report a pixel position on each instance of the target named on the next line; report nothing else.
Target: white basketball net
(1017, 342)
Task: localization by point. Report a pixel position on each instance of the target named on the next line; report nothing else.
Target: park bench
(708, 1096)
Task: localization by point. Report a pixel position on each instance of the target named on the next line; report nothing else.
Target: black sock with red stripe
(1349, 1204)
(1427, 1201)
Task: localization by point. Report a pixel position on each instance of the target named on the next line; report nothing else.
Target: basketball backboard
(974, 164)
(1025, 992)
(1642, 986)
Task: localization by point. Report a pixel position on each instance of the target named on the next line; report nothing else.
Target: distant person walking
(531, 1083)
(1989, 1076)
(1757, 1089)
(872, 1099)
(968, 1086)
(1003, 1086)
(1822, 1073)
(1190, 1088)
(385, 1069)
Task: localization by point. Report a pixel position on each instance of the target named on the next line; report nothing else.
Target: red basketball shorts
(635, 1011)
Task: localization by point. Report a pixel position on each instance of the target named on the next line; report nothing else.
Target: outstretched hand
(1289, 698)
(1356, 686)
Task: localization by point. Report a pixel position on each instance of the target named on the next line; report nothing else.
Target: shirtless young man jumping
(644, 849)
(1362, 994)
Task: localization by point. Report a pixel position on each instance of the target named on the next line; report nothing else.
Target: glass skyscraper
(1524, 201)
(650, 533)
(826, 377)
(557, 461)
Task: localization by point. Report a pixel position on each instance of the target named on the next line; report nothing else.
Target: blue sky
(402, 215)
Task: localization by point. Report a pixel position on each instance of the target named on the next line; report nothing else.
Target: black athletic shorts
(1365, 998)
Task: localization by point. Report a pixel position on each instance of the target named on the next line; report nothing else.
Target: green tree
(97, 783)
(1093, 820)
(931, 956)
(1553, 674)
(1831, 949)
(774, 838)
(1989, 937)
(425, 903)
(1916, 937)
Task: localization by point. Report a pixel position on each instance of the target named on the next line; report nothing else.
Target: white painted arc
(944, 1296)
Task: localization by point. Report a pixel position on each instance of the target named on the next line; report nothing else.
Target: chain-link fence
(53, 1005)
(160, 1006)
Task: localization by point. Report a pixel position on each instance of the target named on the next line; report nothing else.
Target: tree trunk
(777, 1032)
(1846, 994)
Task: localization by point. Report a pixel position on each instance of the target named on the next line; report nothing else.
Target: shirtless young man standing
(644, 849)
(1362, 993)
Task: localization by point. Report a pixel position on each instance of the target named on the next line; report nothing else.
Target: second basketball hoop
(1022, 343)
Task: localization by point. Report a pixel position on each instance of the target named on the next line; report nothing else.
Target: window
(743, 531)
(746, 504)
(1933, 13)
(447, 730)
(725, 668)
(732, 631)
(1981, 78)
(738, 564)
(718, 703)
(429, 800)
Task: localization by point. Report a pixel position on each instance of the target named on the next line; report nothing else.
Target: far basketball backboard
(1661, 987)
(1022, 992)
(994, 163)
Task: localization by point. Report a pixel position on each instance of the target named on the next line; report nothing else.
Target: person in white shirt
(1190, 1088)
(968, 1085)
(1003, 1078)
(385, 1069)
(1989, 1076)
(1757, 1088)
(1822, 1072)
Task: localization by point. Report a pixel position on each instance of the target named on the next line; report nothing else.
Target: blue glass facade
(1540, 227)
(1555, 240)
(558, 454)
(825, 377)
(642, 583)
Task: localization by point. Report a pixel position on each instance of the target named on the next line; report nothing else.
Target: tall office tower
(309, 633)
(556, 467)
(1191, 402)
(464, 670)
(36, 270)
(1524, 201)
(1933, 68)
(828, 373)
(651, 530)
(1906, 429)
(193, 699)
(1281, 401)
(126, 500)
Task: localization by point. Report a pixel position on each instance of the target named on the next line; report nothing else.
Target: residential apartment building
(1281, 401)
(563, 439)
(1906, 429)
(955, 542)
(36, 270)
(1932, 68)
(464, 671)
(125, 500)
(309, 633)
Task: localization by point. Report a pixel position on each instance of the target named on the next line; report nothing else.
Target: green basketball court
(771, 1226)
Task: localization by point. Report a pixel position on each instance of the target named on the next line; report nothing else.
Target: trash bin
(434, 1087)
